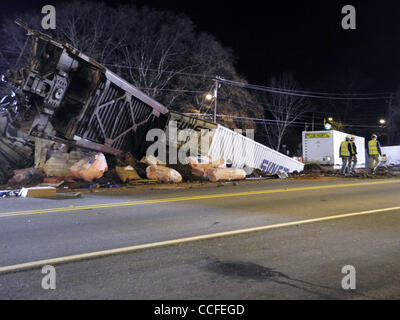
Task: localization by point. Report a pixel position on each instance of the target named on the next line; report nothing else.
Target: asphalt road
(282, 260)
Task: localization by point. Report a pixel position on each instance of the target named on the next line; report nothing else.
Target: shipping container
(322, 147)
(243, 151)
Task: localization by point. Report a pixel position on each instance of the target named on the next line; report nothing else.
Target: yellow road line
(35, 264)
(178, 199)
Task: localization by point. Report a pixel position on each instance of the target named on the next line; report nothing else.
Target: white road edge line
(35, 264)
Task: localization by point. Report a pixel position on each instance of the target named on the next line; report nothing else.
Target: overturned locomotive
(66, 96)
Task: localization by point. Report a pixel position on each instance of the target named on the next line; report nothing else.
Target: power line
(253, 86)
(175, 90)
(164, 71)
(316, 95)
(300, 93)
(361, 117)
(305, 114)
(238, 118)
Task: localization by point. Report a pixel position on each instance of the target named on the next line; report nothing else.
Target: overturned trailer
(66, 96)
(214, 140)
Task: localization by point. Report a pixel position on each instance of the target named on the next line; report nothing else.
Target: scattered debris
(283, 175)
(260, 174)
(187, 173)
(38, 192)
(142, 182)
(89, 168)
(53, 179)
(163, 174)
(59, 163)
(249, 170)
(69, 195)
(151, 160)
(127, 173)
(313, 168)
(394, 168)
(26, 176)
(108, 185)
(9, 193)
(87, 186)
(391, 171)
(202, 164)
(129, 160)
(42, 148)
(51, 183)
(228, 174)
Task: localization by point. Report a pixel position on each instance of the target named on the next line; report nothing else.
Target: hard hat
(374, 136)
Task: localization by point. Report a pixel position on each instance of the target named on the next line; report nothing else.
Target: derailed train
(65, 96)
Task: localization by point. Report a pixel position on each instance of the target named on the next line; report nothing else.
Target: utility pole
(389, 121)
(312, 122)
(215, 98)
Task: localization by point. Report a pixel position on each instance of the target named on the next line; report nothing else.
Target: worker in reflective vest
(345, 153)
(374, 151)
(353, 154)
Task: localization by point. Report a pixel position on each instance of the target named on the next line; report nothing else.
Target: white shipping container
(322, 147)
(392, 154)
(228, 144)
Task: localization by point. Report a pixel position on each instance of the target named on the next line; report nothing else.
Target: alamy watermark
(349, 20)
(349, 280)
(49, 280)
(49, 20)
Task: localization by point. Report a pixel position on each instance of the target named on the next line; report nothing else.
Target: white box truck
(322, 147)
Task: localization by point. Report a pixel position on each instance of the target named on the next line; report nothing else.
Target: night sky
(303, 37)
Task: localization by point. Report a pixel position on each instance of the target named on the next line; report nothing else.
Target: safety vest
(344, 149)
(373, 148)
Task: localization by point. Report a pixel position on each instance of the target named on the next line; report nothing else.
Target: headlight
(58, 94)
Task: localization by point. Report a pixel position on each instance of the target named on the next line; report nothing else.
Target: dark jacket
(379, 147)
(353, 147)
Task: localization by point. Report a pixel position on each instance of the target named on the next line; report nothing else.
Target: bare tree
(393, 120)
(159, 52)
(14, 48)
(283, 109)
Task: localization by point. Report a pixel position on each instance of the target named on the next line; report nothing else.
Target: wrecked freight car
(66, 96)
